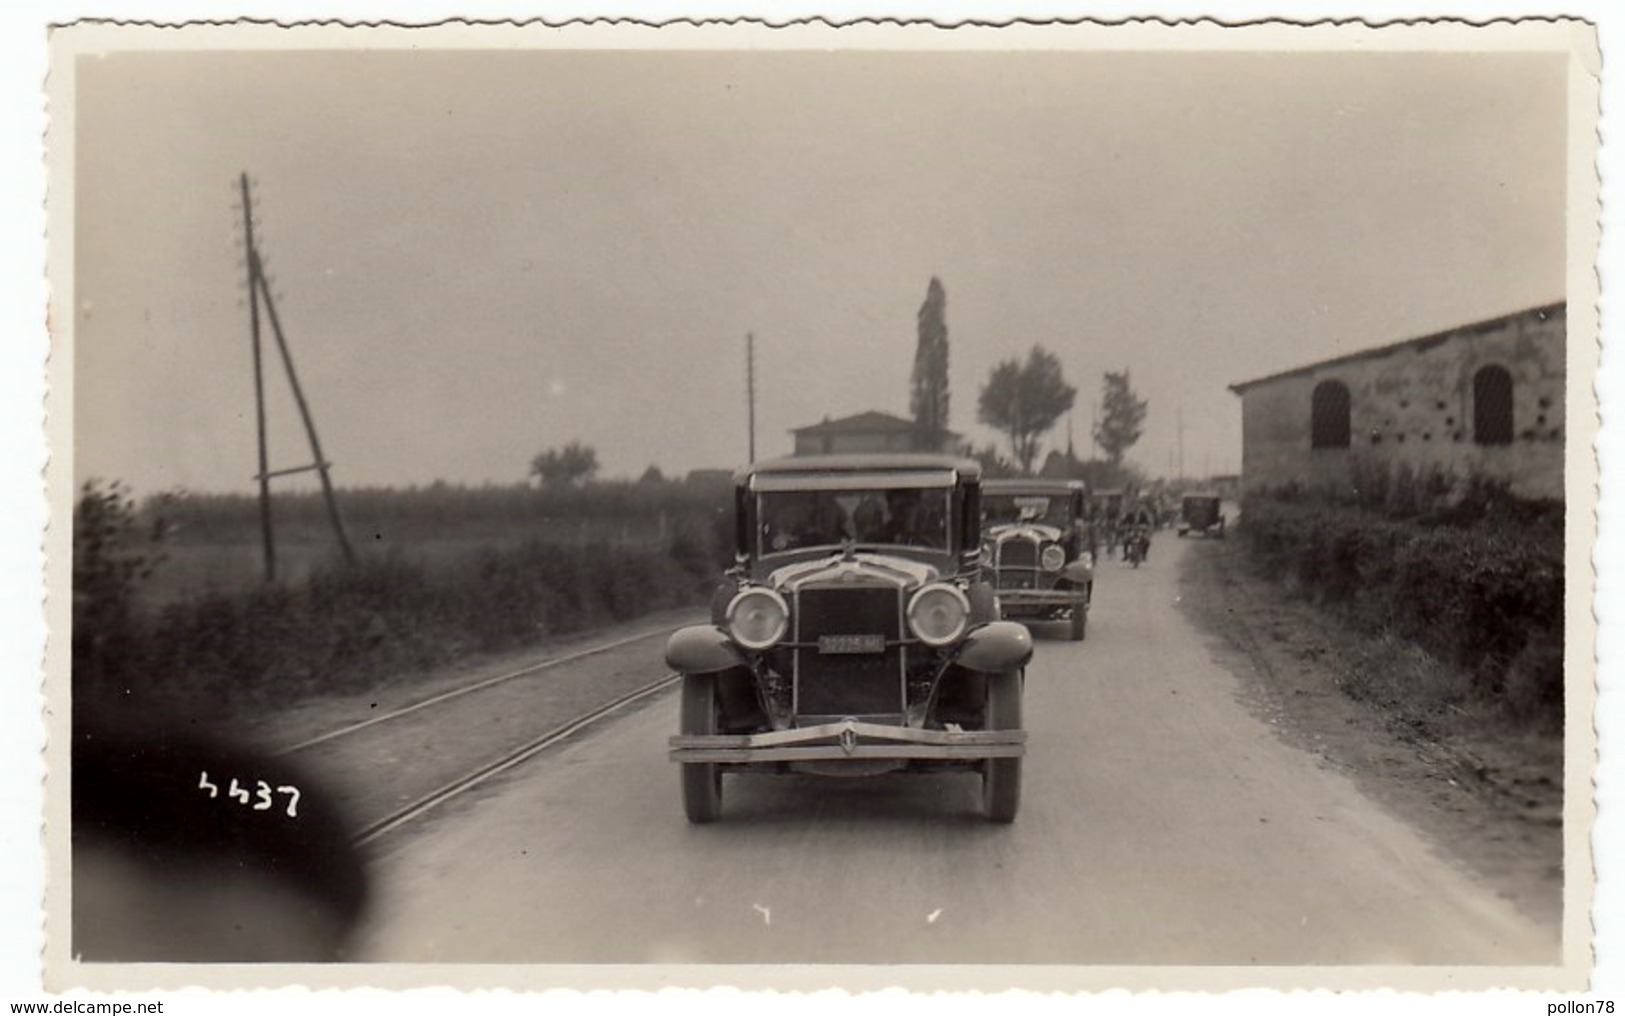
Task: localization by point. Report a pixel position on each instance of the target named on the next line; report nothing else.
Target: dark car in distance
(1201, 514)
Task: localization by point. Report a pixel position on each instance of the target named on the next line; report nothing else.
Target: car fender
(997, 647)
(1079, 573)
(701, 649)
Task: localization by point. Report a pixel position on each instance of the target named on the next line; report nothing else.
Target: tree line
(1021, 398)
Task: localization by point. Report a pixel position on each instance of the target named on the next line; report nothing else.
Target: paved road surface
(1162, 824)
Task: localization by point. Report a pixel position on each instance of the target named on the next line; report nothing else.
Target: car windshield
(797, 519)
(999, 509)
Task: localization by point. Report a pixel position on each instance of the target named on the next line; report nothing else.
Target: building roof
(870, 422)
(1420, 343)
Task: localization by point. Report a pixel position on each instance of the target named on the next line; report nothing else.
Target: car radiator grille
(848, 684)
(1018, 554)
(1017, 565)
(1016, 580)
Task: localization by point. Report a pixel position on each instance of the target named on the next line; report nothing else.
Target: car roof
(858, 463)
(1032, 486)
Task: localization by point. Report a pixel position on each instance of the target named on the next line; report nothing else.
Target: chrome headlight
(985, 557)
(1052, 558)
(938, 614)
(756, 618)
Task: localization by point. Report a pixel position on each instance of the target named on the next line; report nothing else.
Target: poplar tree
(1122, 416)
(928, 386)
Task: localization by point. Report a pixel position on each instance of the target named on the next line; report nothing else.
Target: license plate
(851, 643)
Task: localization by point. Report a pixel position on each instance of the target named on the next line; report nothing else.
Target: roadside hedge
(1483, 591)
(344, 628)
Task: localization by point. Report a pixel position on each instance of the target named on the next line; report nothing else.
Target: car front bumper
(848, 739)
(1024, 601)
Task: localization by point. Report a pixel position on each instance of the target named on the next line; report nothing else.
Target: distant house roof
(870, 422)
(1421, 343)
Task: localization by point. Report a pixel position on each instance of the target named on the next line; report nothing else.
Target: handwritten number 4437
(261, 796)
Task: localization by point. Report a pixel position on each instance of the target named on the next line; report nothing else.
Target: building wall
(859, 441)
(867, 441)
(1414, 405)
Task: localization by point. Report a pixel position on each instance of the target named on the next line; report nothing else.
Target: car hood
(1024, 530)
(863, 568)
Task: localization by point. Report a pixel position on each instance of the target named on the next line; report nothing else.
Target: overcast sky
(480, 255)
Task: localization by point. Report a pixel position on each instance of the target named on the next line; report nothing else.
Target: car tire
(1001, 777)
(702, 781)
(1080, 623)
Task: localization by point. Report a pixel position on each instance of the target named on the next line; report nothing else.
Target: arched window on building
(1329, 416)
(1492, 406)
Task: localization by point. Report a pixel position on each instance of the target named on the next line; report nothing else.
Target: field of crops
(213, 543)
(194, 562)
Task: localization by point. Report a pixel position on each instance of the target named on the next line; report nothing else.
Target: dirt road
(1163, 823)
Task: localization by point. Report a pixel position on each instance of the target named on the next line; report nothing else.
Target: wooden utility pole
(321, 465)
(259, 288)
(1180, 417)
(251, 261)
(750, 388)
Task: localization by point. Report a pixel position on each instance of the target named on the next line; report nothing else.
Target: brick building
(1485, 399)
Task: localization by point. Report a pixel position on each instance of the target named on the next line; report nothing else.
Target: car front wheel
(1001, 777)
(702, 781)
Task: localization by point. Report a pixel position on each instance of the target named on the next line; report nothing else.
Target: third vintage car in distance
(1039, 550)
(854, 636)
(1201, 514)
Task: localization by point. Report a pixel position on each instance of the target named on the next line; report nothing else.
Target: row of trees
(1023, 399)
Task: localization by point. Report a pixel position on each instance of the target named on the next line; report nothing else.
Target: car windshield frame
(1057, 509)
(859, 512)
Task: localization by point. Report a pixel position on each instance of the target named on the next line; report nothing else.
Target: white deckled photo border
(1573, 38)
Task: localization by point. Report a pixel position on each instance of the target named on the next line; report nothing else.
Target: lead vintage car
(1039, 550)
(854, 636)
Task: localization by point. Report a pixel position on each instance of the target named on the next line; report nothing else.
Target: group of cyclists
(1129, 532)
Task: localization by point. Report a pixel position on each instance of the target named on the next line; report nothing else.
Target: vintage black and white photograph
(1091, 503)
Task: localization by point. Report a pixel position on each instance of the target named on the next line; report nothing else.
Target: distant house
(1483, 399)
(870, 432)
